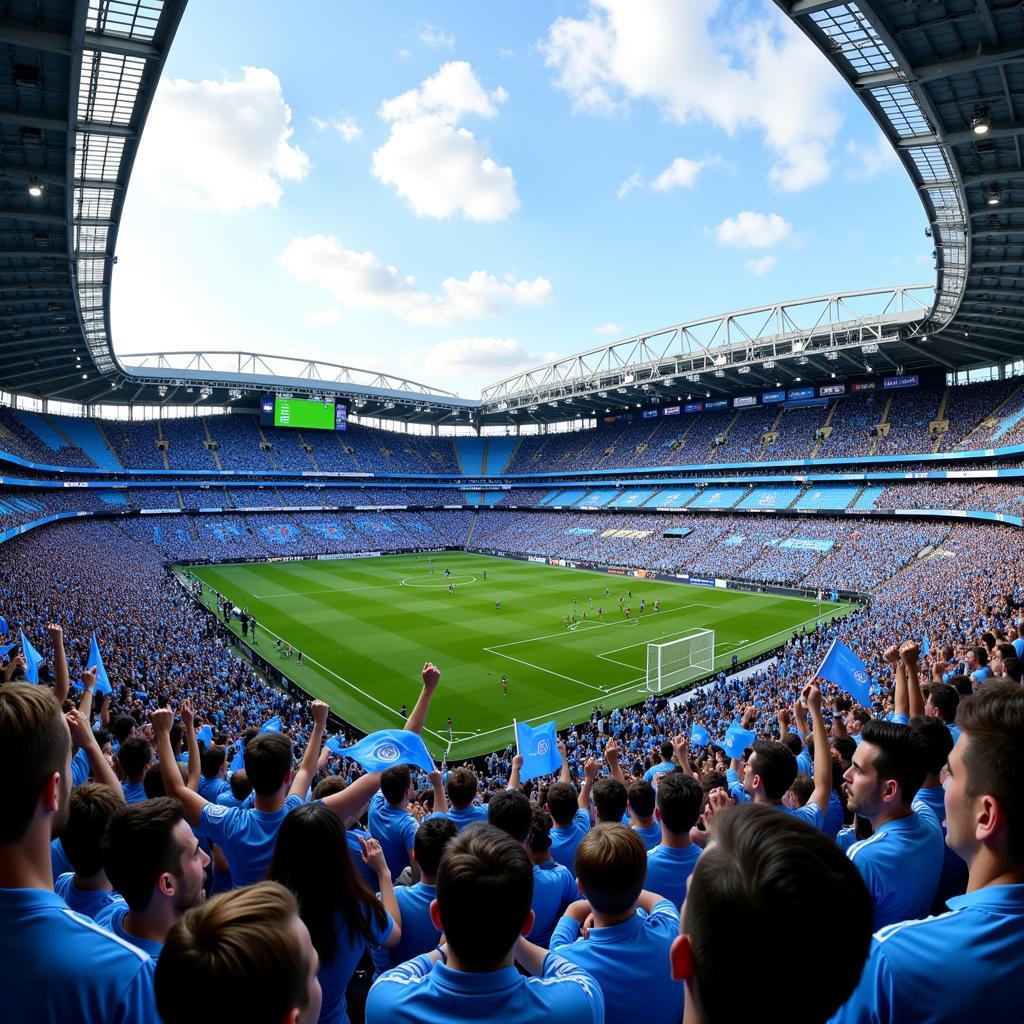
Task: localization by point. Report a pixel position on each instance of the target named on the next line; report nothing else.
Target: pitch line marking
(549, 671)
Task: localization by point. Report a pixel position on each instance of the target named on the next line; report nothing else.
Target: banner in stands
(799, 394)
(693, 407)
(909, 380)
(650, 414)
(768, 397)
(719, 403)
(807, 544)
(579, 531)
(733, 542)
(828, 390)
(865, 385)
(743, 401)
(671, 410)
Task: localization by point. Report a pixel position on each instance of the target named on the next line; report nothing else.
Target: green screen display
(300, 412)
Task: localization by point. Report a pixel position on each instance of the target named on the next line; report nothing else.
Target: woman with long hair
(344, 917)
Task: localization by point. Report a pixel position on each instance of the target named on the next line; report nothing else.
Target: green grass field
(365, 627)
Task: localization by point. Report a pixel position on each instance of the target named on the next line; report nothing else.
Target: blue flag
(699, 736)
(926, 647)
(388, 747)
(238, 761)
(102, 679)
(334, 745)
(271, 724)
(842, 667)
(5, 649)
(33, 659)
(737, 739)
(538, 746)
(205, 734)
(3, 625)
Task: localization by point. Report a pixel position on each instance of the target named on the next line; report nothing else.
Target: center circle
(437, 581)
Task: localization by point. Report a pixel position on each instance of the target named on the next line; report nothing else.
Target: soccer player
(485, 574)
(657, 604)
(155, 862)
(57, 965)
(984, 929)
(504, 685)
(769, 874)
(643, 605)
(449, 728)
(902, 861)
(679, 802)
(626, 951)
(497, 606)
(248, 950)
(484, 888)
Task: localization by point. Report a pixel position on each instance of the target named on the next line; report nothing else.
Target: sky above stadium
(454, 192)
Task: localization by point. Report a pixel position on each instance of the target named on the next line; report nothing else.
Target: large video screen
(303, 413)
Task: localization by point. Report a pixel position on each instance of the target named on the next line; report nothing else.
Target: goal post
(671, 664)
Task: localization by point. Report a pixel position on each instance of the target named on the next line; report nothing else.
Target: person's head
(90, 808)
(800, 792)
(985, 789)
(977, 657)
(510, 811)
(396, 783)
(123, 728)
(214, 762)
(611, 865)
(35, 762)
(563, 802)
(845, 747)
(770, 769)
(680, 799)
(609, 797)
(666, 750)
(941, 700)
(247, 949)
(887, 770)
(936, 742)
(240, 785)
(150, 853)
(135, 756)
(431, 839)
(769, 874)
(540, 832)
(462, 784)
(328, 786)
(1013, 668)
(641, 797)
(268, 762)
(793, 743)
(484, 891)
(312, 858)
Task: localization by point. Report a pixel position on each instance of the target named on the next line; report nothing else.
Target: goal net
(671, 664)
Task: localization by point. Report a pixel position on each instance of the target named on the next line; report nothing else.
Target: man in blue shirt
(419, 933)
(135, 757)
(982, 936)
(641, 802)
(462, 787)
(155, 862)
(390, 822)
(767, 877)
(665, 765)
(57, 965)
(214, 782)
(627, 949)
(484, 888)
(902, 861)
(570, 811)
(669, 864)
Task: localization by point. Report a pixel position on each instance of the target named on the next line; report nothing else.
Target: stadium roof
(944, 80)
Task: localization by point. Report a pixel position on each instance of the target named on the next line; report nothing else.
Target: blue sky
(454, 192)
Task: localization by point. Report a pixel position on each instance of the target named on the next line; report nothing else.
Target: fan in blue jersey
(669, 864)
(462, 788)
(569, 810)
(484, 888)
(640, 797)
(664, 765)
(135, 757)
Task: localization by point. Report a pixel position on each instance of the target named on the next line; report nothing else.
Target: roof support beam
(55, 42)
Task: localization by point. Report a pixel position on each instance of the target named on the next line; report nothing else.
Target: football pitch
(365, 626)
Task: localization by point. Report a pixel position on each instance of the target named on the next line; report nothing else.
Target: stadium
(663, 536)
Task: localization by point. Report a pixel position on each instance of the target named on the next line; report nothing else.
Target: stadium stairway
(106, 440)
(500, 451)
(940, 414)
(471, 454)
(311, 453)
(828, 423)
(269, 449)
(163, 451)
(209, 437)
(883, 419)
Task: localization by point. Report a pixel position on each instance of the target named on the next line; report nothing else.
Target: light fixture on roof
(831, 356)
(924, 337)
(980, 121)
(768, 364)
(743, 369)
(35, 188)
(993, 195)
(719, 373)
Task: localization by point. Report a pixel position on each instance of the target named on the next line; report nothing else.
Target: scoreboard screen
(303, 413)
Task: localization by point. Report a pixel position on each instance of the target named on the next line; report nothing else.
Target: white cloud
(749, 230)
(360, 280)
(871, 160)
(436, 39)
(756, 74)
(608, 329)
(761, 266)
(330, 317)
(348, 129)
(221, 146)
(439, 168)
(681, 173)
(477, 361)
(404, 54)
(632, 182)
(320, 124)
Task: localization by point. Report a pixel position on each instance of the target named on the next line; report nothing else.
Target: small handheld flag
(3, 625)
(271, 724)
(238, 761)
(102, 679)
(699, 736)
(538, 747)
(205, 734)
(387, 748)
(842, 667)
(736, 740)
(926, 647)
(33, 659)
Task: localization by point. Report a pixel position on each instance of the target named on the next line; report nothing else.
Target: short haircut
(962, 684)
(240, 785)
(666, 750)
(609, 797)
(640, 795)
(901, 755)
(980, 654)
(680, 800)
(89, 812)
(484, 891)
(139, 846)
(802, 788)
(1014, 668)
(936, 741)
(993, 721)
(540, 830)
(122, 727)
(845, 747)
(239, 950)
(212, 760)
(135, 756)
(771, 874)
(944, 699)
(328, 786)
(793, 742)
(268, 760)
(462, 784)
(776, 767)
(510, 811)
(34, 743)
(394, 782)
(563, 802)
(611, 865)
(431, 839)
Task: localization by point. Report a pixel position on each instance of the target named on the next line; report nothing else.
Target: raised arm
(611, 756)
(681, 747)
(563, 775)
(431, 677)
(62, 681)
(440, 796)
(373, 858)
(909, 654)
(822, 754)
(188, 720)
(352, 799)
(82, 736)
(307, 766)
(85, 703)
(513, 776)
(590, 770)
(192, 802)
(901, 704)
